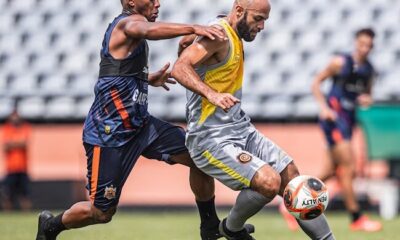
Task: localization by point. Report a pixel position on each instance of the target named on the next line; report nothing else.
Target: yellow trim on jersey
(235, 175)
(227, 78)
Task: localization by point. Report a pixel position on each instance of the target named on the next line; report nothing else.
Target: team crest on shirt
(107, 129)
(244, 157)
(110, 192)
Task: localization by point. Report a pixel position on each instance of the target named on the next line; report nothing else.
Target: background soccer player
(352, 76)
(221, 140)
(16, 140)
(119, 129)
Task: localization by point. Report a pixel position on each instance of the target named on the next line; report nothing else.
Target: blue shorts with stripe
(109, 167)
(336, 131)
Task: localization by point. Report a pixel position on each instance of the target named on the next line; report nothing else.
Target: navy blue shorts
(337, 131)
(17, 185)
(109, 167)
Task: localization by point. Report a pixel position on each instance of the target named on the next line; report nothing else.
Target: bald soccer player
(118, 128)
(220, 138)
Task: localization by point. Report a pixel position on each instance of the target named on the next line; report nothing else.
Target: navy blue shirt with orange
(352, 81)
(120, 106)
(119, 129)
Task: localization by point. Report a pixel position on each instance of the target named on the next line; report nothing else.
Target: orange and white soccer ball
(306, 197)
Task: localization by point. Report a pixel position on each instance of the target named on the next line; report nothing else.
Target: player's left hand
(365, 100)
(161, 78)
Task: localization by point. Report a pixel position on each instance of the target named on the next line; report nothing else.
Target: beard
(243, 29)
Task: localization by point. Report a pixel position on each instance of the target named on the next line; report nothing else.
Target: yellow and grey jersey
(205, 120)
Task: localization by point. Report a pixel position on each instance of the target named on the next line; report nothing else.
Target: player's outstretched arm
(192, 57)
(138, 27)
(332, 69)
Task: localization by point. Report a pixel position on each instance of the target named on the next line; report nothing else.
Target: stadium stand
(49, 57)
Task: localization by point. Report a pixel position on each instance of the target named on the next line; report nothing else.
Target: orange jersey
(15, 140)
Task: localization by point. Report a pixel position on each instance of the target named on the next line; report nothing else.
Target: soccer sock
(355, 216)
(208, 215)
(317, 228)
(54, 226)
(247, 204)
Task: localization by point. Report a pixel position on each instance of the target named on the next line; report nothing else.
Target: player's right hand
(211, 32)
(223, 100)
(328, 114)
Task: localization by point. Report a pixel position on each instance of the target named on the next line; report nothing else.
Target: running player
(220, 138)
(119, 129)
(352, 76)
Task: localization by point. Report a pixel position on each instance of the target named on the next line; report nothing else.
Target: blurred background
(49, 56)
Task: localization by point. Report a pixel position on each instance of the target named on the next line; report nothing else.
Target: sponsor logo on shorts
(110, 192)
(244, 157)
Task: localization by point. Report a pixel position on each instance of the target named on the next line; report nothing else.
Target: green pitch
(180, 226)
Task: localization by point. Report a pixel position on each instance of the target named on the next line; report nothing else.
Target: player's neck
(232, 22)
(358, 58)
(128, 11)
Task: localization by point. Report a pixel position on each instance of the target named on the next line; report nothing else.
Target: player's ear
(239, 11)
(131, 3)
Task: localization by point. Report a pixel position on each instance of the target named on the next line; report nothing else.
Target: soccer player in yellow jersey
(220, 138)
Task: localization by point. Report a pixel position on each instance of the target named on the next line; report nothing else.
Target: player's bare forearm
(158, 30)
(139, 28)
(185, 74)
(370, 84)
(318, 95)
(332, 69)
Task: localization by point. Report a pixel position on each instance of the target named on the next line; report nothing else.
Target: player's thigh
(108, 169)
(168, 145)
(265, 149)
(343, 154)
(337, 131)
(231, 165)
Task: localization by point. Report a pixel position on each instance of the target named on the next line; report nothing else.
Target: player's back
(205, 120)
(120, 106)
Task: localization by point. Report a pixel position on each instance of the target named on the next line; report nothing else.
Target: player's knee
(268, 184)
(104, 217)
(343, 171)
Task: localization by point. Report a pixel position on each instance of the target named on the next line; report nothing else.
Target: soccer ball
(306, 197)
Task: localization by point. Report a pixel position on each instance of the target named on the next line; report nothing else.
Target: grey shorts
(234, 163)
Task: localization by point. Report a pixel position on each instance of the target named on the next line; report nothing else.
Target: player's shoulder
(217, 23)
(132, 19)
(338, 60)
(215, 45)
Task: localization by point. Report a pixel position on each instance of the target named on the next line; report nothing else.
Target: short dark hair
(366, 31)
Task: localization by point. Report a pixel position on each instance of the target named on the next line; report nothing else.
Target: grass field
(180, 226)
